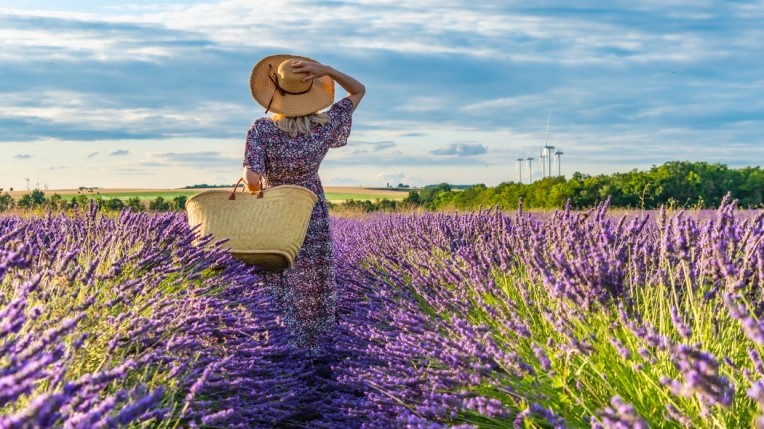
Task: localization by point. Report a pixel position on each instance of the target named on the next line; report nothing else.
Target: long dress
(306, 293)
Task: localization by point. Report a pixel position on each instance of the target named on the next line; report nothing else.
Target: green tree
(428, 195)
(80, 201)
(34, 199)
(413, 198)
(386, 205)
(57, 202)
(751, 192)
(159, 205)
(179, 202)
(113, 204)
(135, 204)
(7, 202)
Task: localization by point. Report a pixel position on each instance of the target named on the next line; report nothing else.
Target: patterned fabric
(306, 293)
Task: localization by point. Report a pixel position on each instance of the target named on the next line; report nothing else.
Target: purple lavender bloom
(700, 371)
(621, 416)
(446, 320)
(683, 329)
(541, 355)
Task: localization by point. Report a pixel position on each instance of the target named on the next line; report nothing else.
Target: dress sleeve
(254, 153)
(341, 115)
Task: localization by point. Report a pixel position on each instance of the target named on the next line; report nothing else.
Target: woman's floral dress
(306, 293)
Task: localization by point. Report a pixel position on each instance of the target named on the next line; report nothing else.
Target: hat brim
(320, 96)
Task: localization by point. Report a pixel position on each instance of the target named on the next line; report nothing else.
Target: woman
(287, 148)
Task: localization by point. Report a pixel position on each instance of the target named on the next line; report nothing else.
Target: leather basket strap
(233, 193)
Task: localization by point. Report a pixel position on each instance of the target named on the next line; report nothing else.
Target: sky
(147, 93)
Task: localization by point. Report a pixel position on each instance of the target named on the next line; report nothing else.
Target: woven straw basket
(266, 230)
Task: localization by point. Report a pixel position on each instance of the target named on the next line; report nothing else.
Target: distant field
(334, 194)
(167, 195)
(330, 196)
(342, 197)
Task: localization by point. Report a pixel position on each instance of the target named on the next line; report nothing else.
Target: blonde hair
(300, 124)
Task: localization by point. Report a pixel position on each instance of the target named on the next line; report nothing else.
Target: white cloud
(90, 111)
(392, 177)
(448, 28)
(437, 72)
(219, 179)
(343, 181)
(461, 149)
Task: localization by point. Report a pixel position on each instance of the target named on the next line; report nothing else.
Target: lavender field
(478, 320)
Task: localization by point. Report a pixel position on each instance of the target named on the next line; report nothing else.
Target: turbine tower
(530, 169)
(549, 158)
(546, 152)
(519, 168)
(27, 179)
(557, 156)
(542, 155)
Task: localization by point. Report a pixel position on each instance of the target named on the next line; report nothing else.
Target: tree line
(36, 199)
(677, 184)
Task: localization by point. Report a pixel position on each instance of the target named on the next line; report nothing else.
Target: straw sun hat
(280, 90)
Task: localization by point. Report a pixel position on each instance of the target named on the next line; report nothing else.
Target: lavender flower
(621, 416)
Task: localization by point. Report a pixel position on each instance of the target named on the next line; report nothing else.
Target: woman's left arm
(251, 180)
(254, 161)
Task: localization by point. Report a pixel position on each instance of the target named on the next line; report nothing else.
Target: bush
(179, 203)
(33, 200)
(159, 205)
(7, 202)
(135, 204)
(113, 204)
(367, 206)
(80, 201)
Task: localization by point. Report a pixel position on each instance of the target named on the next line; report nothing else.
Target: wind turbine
(45, 185)
(519, 168)
(27, 179)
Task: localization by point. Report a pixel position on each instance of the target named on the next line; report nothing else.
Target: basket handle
(233, 193)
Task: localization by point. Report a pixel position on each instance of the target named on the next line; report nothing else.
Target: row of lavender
(122, 322)
(475, 320)
(582, 320)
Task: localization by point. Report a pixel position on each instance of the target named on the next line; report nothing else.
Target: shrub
(32, 200)
(113, 204)
(135, 204)
(159, 204)
(179, 203)
(7, 202)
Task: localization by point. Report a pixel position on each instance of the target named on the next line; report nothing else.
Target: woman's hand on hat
(314, 70)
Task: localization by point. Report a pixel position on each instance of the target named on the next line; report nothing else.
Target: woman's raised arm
(355, 89)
